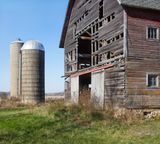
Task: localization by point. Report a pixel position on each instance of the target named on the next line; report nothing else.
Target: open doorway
(84, 51)
(85, 89)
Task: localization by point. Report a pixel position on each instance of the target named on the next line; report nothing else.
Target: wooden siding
(143, 58)
(115, 87)
(112, 28)
(85, 17)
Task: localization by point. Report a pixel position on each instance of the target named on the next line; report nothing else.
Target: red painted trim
(92, 70)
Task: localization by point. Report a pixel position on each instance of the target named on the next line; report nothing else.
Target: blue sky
(33, 19)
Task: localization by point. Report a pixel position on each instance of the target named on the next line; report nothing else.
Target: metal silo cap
(33, 45)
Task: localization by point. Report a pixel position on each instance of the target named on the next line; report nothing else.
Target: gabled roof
(145, 4)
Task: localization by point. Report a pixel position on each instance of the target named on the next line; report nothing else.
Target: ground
(59, 124)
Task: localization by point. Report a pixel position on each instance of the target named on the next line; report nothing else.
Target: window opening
(152, 80)
(153, 33)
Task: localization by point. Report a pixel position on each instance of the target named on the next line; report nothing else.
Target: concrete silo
(33, 74)
(15, 62)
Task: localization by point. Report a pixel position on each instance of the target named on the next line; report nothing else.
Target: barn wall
(114, 78)
(143, 58)
(107, 34)
(115, 87)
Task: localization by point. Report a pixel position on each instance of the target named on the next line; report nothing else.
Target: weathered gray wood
(118, 37)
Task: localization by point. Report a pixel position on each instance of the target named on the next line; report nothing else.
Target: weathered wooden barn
(112, 53)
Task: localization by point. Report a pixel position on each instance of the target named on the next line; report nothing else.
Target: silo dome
(33, 45)
(33, 74)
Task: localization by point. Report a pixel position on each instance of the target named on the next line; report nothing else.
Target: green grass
(72, 125)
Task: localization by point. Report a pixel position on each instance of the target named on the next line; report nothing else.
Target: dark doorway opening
(85, 89)
(84, 51)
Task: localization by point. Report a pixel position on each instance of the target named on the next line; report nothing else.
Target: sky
(38, 20)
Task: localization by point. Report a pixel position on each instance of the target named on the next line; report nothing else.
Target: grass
(58, 124)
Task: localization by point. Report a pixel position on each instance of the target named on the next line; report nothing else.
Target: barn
(112, 53)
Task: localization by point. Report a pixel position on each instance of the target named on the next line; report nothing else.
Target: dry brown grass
(85, 100)
(10, 102)
(45, 109)
(126, 115)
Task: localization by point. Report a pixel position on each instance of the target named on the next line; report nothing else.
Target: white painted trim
(75, 90)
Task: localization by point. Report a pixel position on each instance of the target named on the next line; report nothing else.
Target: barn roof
(147, 4)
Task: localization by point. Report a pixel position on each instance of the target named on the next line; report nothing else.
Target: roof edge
(66, 23)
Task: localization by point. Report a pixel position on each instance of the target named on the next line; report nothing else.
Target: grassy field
(52, 124)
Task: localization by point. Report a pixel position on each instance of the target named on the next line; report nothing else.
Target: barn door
(75, 89)
(97, 90)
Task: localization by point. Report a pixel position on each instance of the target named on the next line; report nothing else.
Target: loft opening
(84, 51)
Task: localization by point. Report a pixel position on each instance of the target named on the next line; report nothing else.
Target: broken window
(68, 68)
(85, 14)
(96, 59)
(106, 42)
(95, 28)
(113, 16)
(74, 29)
(100, 24)
(101, 9)
(109, 18)
(71, 55)
(75, 56)
(70, 61)
(108, 55)
(113, 39)
(93, 60)
(95, 46)
(100, 58)
(117, 37)
(122, 35)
